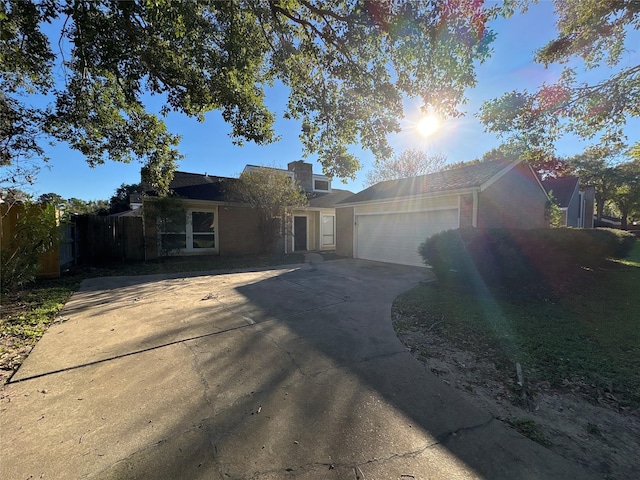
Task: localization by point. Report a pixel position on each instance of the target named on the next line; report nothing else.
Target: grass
(530, 429)
(587, 340)
(26, 314)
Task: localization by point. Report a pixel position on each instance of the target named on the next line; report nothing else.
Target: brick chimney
(304, 174)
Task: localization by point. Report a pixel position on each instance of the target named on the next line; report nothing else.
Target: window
(328, 230)
(172, 234)
(202, 230)
(321, 185)
(195, 233)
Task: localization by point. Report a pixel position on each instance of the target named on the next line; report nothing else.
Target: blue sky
(208, 148)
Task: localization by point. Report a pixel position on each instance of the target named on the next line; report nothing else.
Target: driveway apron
(291, 372)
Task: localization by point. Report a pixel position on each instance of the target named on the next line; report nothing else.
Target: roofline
(440, 193)
(191, 201)
(544, 190)
(497, 176)
(575, 189)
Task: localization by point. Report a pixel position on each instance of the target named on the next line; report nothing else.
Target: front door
(299, 233)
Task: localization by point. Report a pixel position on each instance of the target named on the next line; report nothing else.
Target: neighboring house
(607, 221)
(575, 204)
(389, 220)
(214, 224)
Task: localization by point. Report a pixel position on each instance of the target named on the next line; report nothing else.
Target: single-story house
(389, 220)
(214, 224)
(575, 204)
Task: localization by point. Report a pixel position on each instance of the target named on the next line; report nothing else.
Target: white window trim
(188, 231)
(322, 217)
(322, 178)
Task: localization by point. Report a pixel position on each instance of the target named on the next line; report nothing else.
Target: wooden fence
(94, 239)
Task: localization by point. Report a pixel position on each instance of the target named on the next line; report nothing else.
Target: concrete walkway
(292, 372)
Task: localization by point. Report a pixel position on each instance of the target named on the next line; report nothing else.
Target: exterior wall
(466, 210)
(236, 234)
(344, 231)
(516, 200)
(238, 231)
(573, 210)
(314, 230)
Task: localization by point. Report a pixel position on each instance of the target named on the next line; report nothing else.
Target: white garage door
(395, 237)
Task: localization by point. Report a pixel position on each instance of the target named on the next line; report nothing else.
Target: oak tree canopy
(347, 66)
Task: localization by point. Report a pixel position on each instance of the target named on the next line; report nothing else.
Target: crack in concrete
(198, 369)
(289, 354)
(445, 437)
(356, 468)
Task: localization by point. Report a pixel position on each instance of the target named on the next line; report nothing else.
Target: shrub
(521, 259)
(35, 233)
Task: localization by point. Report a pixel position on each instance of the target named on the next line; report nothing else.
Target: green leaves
(594, 31)
(347, 66)
(272, 194)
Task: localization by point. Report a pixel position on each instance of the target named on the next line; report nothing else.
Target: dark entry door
(299, 233)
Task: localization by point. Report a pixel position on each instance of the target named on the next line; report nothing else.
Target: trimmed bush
(521, 260)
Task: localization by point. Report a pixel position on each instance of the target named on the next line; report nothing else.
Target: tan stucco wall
(344, 231)
(314, 218)
(515, 200)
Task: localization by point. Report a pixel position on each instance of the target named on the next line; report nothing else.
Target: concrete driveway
(292, 372)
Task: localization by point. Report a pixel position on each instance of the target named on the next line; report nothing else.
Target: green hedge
(521, 259)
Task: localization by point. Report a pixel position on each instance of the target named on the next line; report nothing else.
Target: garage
(395, 237)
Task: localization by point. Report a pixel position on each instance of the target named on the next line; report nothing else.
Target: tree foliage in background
(546, 165)
(272, 194)
(35, 233)
(74, 206)
(595, 32)
(410, 163)
(596, 167)
(347, 66)
(119, 202)
(626, 193)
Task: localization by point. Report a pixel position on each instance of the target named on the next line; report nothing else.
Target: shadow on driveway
(293, 372)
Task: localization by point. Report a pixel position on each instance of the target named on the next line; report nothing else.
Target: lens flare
(428, 125)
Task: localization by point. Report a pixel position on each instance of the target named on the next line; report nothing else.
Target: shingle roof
(328, 200)
(199, 186)
(467, 176)
(561, 188)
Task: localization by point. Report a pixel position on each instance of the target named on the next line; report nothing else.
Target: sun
(428, 125)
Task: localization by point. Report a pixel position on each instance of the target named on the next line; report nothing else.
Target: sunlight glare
(428, 125)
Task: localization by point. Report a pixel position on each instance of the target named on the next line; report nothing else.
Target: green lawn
(26, 314)
(589, 339)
